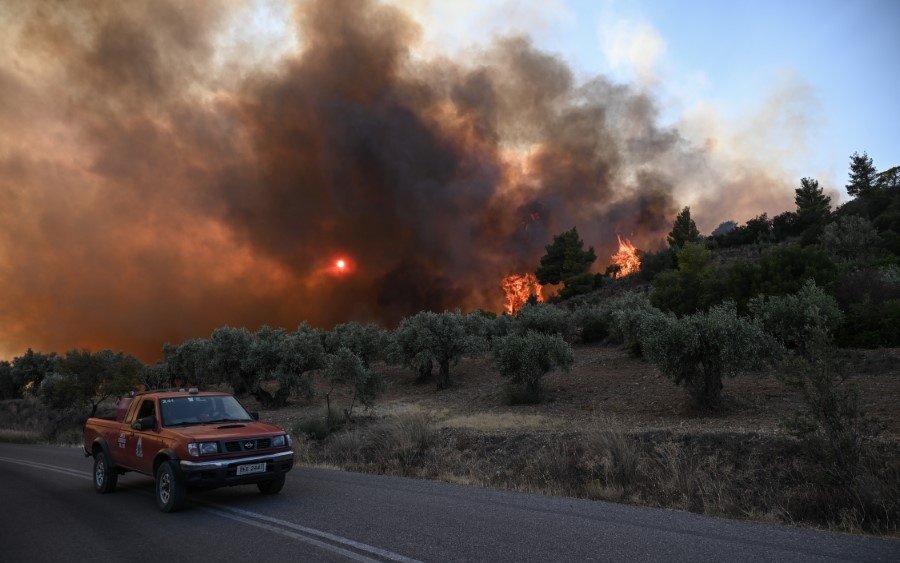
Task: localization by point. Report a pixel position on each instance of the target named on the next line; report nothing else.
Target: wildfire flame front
(518, 288)
(626, 259)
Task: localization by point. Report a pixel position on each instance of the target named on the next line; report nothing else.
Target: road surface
(50, 512)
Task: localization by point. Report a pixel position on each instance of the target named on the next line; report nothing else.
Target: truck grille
(248, 445)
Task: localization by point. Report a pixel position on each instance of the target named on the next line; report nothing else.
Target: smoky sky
(151, 193)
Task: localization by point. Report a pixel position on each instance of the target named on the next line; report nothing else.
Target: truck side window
(132, 411)
(148, 408)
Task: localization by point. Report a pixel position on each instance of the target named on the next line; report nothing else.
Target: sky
(722, 62)
(168, 167)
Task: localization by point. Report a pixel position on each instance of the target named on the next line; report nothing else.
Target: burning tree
(626, 260)
(518, 289)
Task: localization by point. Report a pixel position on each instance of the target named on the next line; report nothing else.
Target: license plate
(251, 468)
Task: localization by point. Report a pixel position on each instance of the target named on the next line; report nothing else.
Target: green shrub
(871, 299)
(698, 350)
(784, 269)
(318, 426)
(851, 239)
(684, 290)
(871, 325)
(525, 359)
(655, 263)
(10, 386)
(789, 318)
(592, 323)
(780, 270)
(630, 316)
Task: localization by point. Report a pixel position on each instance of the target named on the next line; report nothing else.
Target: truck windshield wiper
(187, 423)
(229, 420)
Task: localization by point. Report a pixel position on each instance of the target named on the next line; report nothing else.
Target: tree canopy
(684, 230)
(863, 175)
(567, 262)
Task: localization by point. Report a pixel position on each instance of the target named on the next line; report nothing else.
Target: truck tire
(170, 489)
(105, 476)
(272, 486)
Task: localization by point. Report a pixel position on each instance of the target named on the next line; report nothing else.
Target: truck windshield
(186, 411)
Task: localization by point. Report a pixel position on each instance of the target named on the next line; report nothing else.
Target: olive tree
(790, 318)
(345, 369)
(525, 359)
(698, 350)
(278, 360)
(228, 350)
(188, 362)
(544, 318)
(429, 338)
(368, 342)
(28, 370)
(82, 378)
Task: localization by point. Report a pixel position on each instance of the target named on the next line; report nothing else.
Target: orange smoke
(518, 288)
(626, 259)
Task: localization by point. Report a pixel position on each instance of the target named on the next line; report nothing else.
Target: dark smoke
(148, 197)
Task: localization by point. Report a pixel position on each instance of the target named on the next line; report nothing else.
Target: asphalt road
(50, 512)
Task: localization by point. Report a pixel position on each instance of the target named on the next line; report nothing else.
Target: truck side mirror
(254, 415)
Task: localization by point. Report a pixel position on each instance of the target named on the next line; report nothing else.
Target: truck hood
(227, 431)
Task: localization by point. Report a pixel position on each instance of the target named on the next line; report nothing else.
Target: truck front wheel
(272, 486)
(105, 476)
(170, 489)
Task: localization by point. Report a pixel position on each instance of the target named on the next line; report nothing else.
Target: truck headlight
(278, 441)
(208, 448)
(203, 448)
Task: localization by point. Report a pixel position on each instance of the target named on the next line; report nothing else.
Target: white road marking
(354, 544)
(293, 535)
(56, 468)
(294, 531)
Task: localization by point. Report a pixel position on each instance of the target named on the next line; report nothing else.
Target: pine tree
(565, 259)
(863, 175)
(889, 179)
(813, 206)
(684, 230)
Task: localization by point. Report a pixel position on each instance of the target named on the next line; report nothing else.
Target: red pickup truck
(187, 439)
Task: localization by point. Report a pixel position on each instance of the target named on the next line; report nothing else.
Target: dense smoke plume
(155, 185)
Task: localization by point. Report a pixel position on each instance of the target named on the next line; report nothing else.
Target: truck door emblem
(139, 450)
(121, 441)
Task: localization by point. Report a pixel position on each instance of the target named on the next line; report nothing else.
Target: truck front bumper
(223, 472)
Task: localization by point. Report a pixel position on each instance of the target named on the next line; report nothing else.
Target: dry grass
(739, 475)
(17, 436)
(503, 421)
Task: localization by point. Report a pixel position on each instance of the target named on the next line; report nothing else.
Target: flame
(518, 288)
(626, 259)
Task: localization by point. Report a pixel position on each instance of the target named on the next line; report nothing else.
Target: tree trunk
(425, 372)
(264, 397)
(712, 392)
(444, 375)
